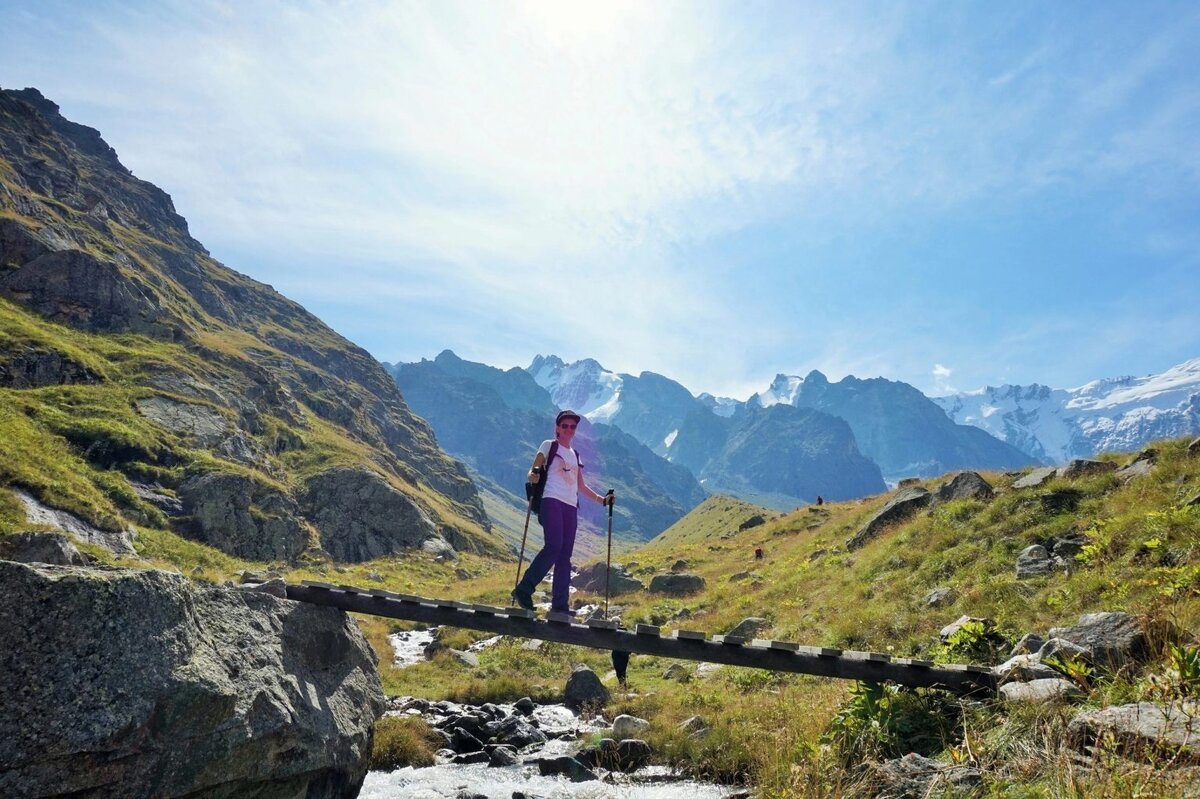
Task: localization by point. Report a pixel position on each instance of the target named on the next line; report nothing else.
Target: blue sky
(948, 194)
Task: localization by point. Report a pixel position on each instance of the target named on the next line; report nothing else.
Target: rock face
(118, 541)
(361, 517)
(31, 367)
(139, 683)
(241, 516)
(900, 507)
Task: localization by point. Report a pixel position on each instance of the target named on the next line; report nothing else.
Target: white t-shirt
(562, 476)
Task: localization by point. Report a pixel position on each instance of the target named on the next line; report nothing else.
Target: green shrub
(403, 741)
(882, 721)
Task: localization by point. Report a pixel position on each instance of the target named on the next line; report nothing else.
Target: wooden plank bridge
(650, 640)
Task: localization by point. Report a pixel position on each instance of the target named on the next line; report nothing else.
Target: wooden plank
(602, 624)
(519, 613)
(559, 617)
(487, 609)
(691, 635)
(646, 629)
(315, 584)
(820, 651)
(729, 640)
(786, 646)
(349, 589)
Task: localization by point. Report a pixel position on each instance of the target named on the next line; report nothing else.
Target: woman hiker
(560, 500)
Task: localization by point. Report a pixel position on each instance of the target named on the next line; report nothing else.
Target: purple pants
(558, 525)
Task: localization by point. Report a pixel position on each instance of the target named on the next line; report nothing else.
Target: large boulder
(53, 548)
(1112, 640)
(1081, 467)
(584, 689)
(241, 516)
(749, 627)
(676, 584)
(1142, 730)
(899, 508)
(964, 485)
(1036, 478)
(1034, 561)
(620, 581)
(1041, 691)
(361, 517)
(119, 682)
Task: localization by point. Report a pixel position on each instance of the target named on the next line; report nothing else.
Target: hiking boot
(524, 599)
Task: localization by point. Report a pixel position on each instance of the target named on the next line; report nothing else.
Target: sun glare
(568, 21)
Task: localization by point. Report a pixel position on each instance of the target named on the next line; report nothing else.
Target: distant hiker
(557, 513)
(820, 500)
(758, 553)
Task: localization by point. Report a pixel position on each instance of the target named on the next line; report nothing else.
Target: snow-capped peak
(583, 386)
(782, 391)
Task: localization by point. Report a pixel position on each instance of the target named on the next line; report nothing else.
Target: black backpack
(534, 491)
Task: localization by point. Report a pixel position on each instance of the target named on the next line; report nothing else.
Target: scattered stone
(899, 508)
(472, 758)
(1143, 729)
(149, 684)
(463, 741)
(1065, 500)
(1040, 691)
(1113, 639)
(532, 645)
(252, 577)
(276, 587)
(154, 494)
(964, 485)
(679, 565)
(462, 574)
(584, 689)
(1067, 548)
(1036, 478)
(1029, 644)
(626, 726)
(905, 482)
(518, 733)
(749, 627)
(620, 581)
(375, 577)
(1034, 561)
(524, 706)
(1193, 501)
(706, 670)
(677, 672)
(676, 584)
(917, 777)
(739, 576)
(939, 597)
(55, 549)
(754, 521)
(1064, 650)
(1081, 467)
(694, 725)
(1194, 447)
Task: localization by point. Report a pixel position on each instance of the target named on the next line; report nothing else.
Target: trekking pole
(524, 533)
(608, 566)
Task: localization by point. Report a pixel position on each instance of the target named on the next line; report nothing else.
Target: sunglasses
(567, 426)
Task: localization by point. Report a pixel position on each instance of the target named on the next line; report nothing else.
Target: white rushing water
(409, 647)
(447, 782)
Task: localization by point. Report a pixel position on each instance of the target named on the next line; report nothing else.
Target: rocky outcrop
(1036, 478)
(32, 367)
(964, 485)
(1142, 730)
(1040, 691)
(241, 516)
(916, 777)
(902, 506)
(140, 683)
(748, 627)
(1111, 640)
(118, 541)
(1081, 467)
(360, 516)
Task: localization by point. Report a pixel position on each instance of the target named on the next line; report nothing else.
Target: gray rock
(626, 726)
(905, 482)
(1142, 730)
(518, 733)
(1029, 644)
(737, 577)
(1114, 639)
(694, 724)
(154, 494)
(632, 754)
(202, 423)
(360, 516)
(1081, 467)
(749, 627)
(679, 565)
(142, 683)
(603, 755)
(1036, 478)
(676, 584)
(440, 548)
(707, 670)
(939, 597)
(917, 777)
(1040, 691)
(524, 706)
(677, 672)
(472, 759)
(118, 541)
(241, 516)
(754, 521)
(566, 766)
(1022, 668)
(468, 659)
(1193, 447)
(1068, 548)
(964, 485)
(276, 587)
(1139, 468)
(1062, 501)
(52, 548)
(503, 756)
(1034, 561)
(1064, 650)
(584, 689)
(902, 506)
(620, 581)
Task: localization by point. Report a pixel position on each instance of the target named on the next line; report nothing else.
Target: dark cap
(566, 415)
